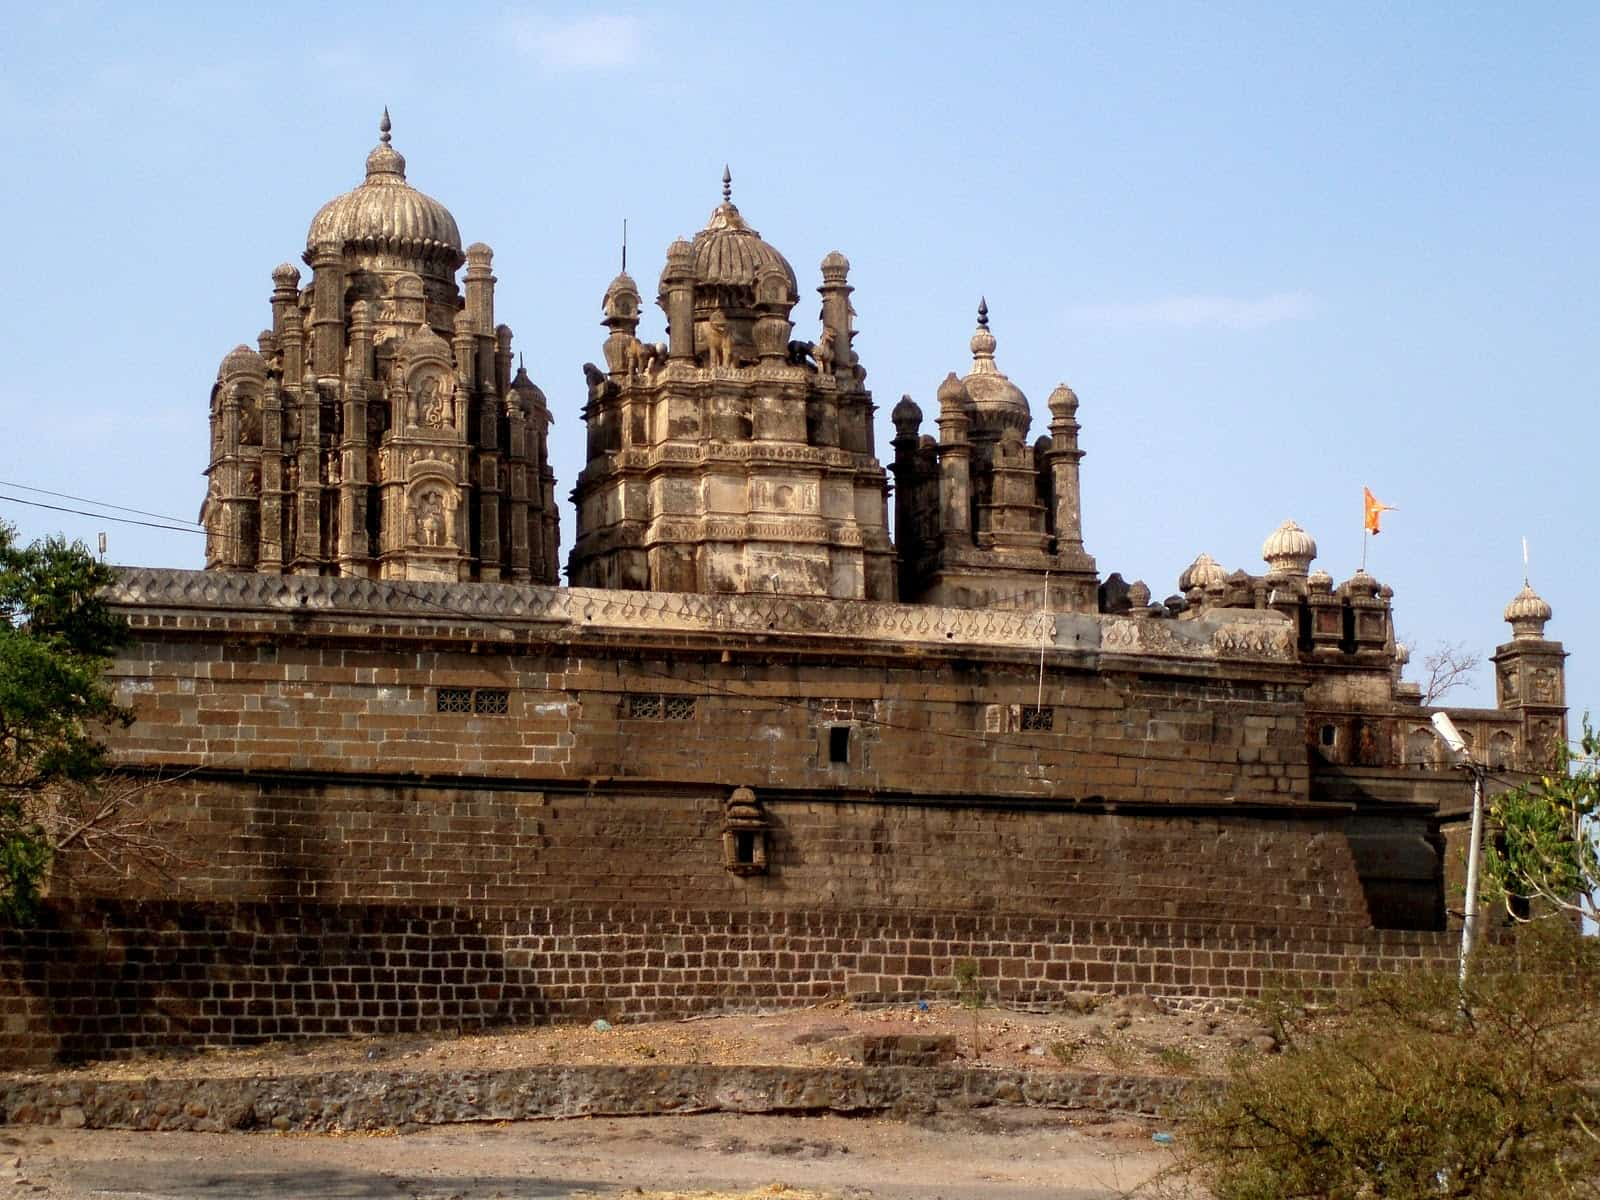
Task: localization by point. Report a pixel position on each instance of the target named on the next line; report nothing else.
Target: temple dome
(728, 253)
(997, 403)
(1527, 613)
(1289, 549)
(385, 213)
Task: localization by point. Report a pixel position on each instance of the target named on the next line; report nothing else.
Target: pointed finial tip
(384, 126)
(983, 312)
(727, 183)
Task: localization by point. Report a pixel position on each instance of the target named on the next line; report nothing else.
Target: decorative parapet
(1223, 635)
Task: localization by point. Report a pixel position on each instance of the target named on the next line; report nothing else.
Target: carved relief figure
(1544, 685)
(427, 518)
(249, 420)
(823, 353)
(1508, 682)
(432, 404)
(642, 356)
(719, 342)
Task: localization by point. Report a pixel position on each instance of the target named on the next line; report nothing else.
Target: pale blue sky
(1279, 251)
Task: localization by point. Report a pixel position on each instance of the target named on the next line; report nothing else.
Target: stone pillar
(480, 309)
(353, 549)
(1064, 457)
(955, 463)
(677, 301)
(270, 560)
(327, 312)
(836, 310)
(308, 502)
(285, 294)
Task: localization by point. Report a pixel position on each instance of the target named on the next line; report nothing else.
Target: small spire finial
(624, 245)
(384, 126)
(983, 313)
(727, 184)
(520, 364)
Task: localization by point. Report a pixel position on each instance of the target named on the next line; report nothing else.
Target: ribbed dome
(385, 213)
(1289, 549)
(1528, 613)
(997, 402)
(728, 253)
(242, 360)
(1203, 572)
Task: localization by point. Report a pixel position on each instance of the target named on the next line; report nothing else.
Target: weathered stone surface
(387, 1100)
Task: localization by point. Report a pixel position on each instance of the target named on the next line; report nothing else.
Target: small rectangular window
(1038, 720)
(644, 708)
(839, 743)
(454, 700)
(491, 702)
(678, 708)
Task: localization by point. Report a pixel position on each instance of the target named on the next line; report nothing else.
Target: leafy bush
(1418, 1089)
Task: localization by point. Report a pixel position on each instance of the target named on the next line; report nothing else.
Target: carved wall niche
(744, 834)
(432, 504)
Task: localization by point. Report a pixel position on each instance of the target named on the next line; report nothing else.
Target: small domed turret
(997, 402)
(1528, 613)
(242, 360)
(1203, 572)
(1289, 550)
(1063, 401)
(907, 416)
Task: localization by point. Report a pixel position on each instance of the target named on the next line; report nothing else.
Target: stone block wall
(382, 818)
(105, 979)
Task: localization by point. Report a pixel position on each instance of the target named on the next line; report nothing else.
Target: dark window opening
(1329, 735)
(1038, 720)
(839, 743)
(744, 847)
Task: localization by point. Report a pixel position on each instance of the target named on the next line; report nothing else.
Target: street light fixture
(1461, 756)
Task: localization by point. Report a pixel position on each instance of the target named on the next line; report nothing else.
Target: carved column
(327, 312)
(1064, 457)
(677, 300)
(353, 549)
(285, 294)
(955, 463)
(836, 311)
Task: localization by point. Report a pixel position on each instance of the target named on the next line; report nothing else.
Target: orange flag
(1373, 507)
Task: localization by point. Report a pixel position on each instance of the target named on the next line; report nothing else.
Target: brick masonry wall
(98, 979)
(348, 858)
(235, 697)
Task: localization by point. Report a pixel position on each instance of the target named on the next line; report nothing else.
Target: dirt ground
(1017, 1154)
(991, 1154)
(1127, 1035)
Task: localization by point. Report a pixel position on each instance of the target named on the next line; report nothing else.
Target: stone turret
(983, 517)
(730, 457)
(1530, 678)
(374, 434)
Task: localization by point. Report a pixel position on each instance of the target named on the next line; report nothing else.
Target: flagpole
(1366, 536)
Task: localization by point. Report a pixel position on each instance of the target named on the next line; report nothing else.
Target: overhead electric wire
(97, 503)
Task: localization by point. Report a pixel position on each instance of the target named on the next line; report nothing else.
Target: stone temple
(764, 748)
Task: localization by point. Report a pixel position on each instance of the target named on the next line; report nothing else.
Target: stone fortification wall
(491, 803)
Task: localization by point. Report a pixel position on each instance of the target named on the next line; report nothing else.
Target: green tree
(1546, 859)
(1397, 1095)
(57, 635)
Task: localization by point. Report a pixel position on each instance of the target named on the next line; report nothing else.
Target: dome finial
(727, 185)
(983, 313)
(384, 126)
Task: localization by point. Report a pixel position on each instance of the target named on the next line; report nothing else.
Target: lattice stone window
(491, 702)
(659, 708)
(487, 702)
(454, 700)
(1037, 720)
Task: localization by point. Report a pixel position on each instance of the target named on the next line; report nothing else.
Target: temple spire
(384, 126)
